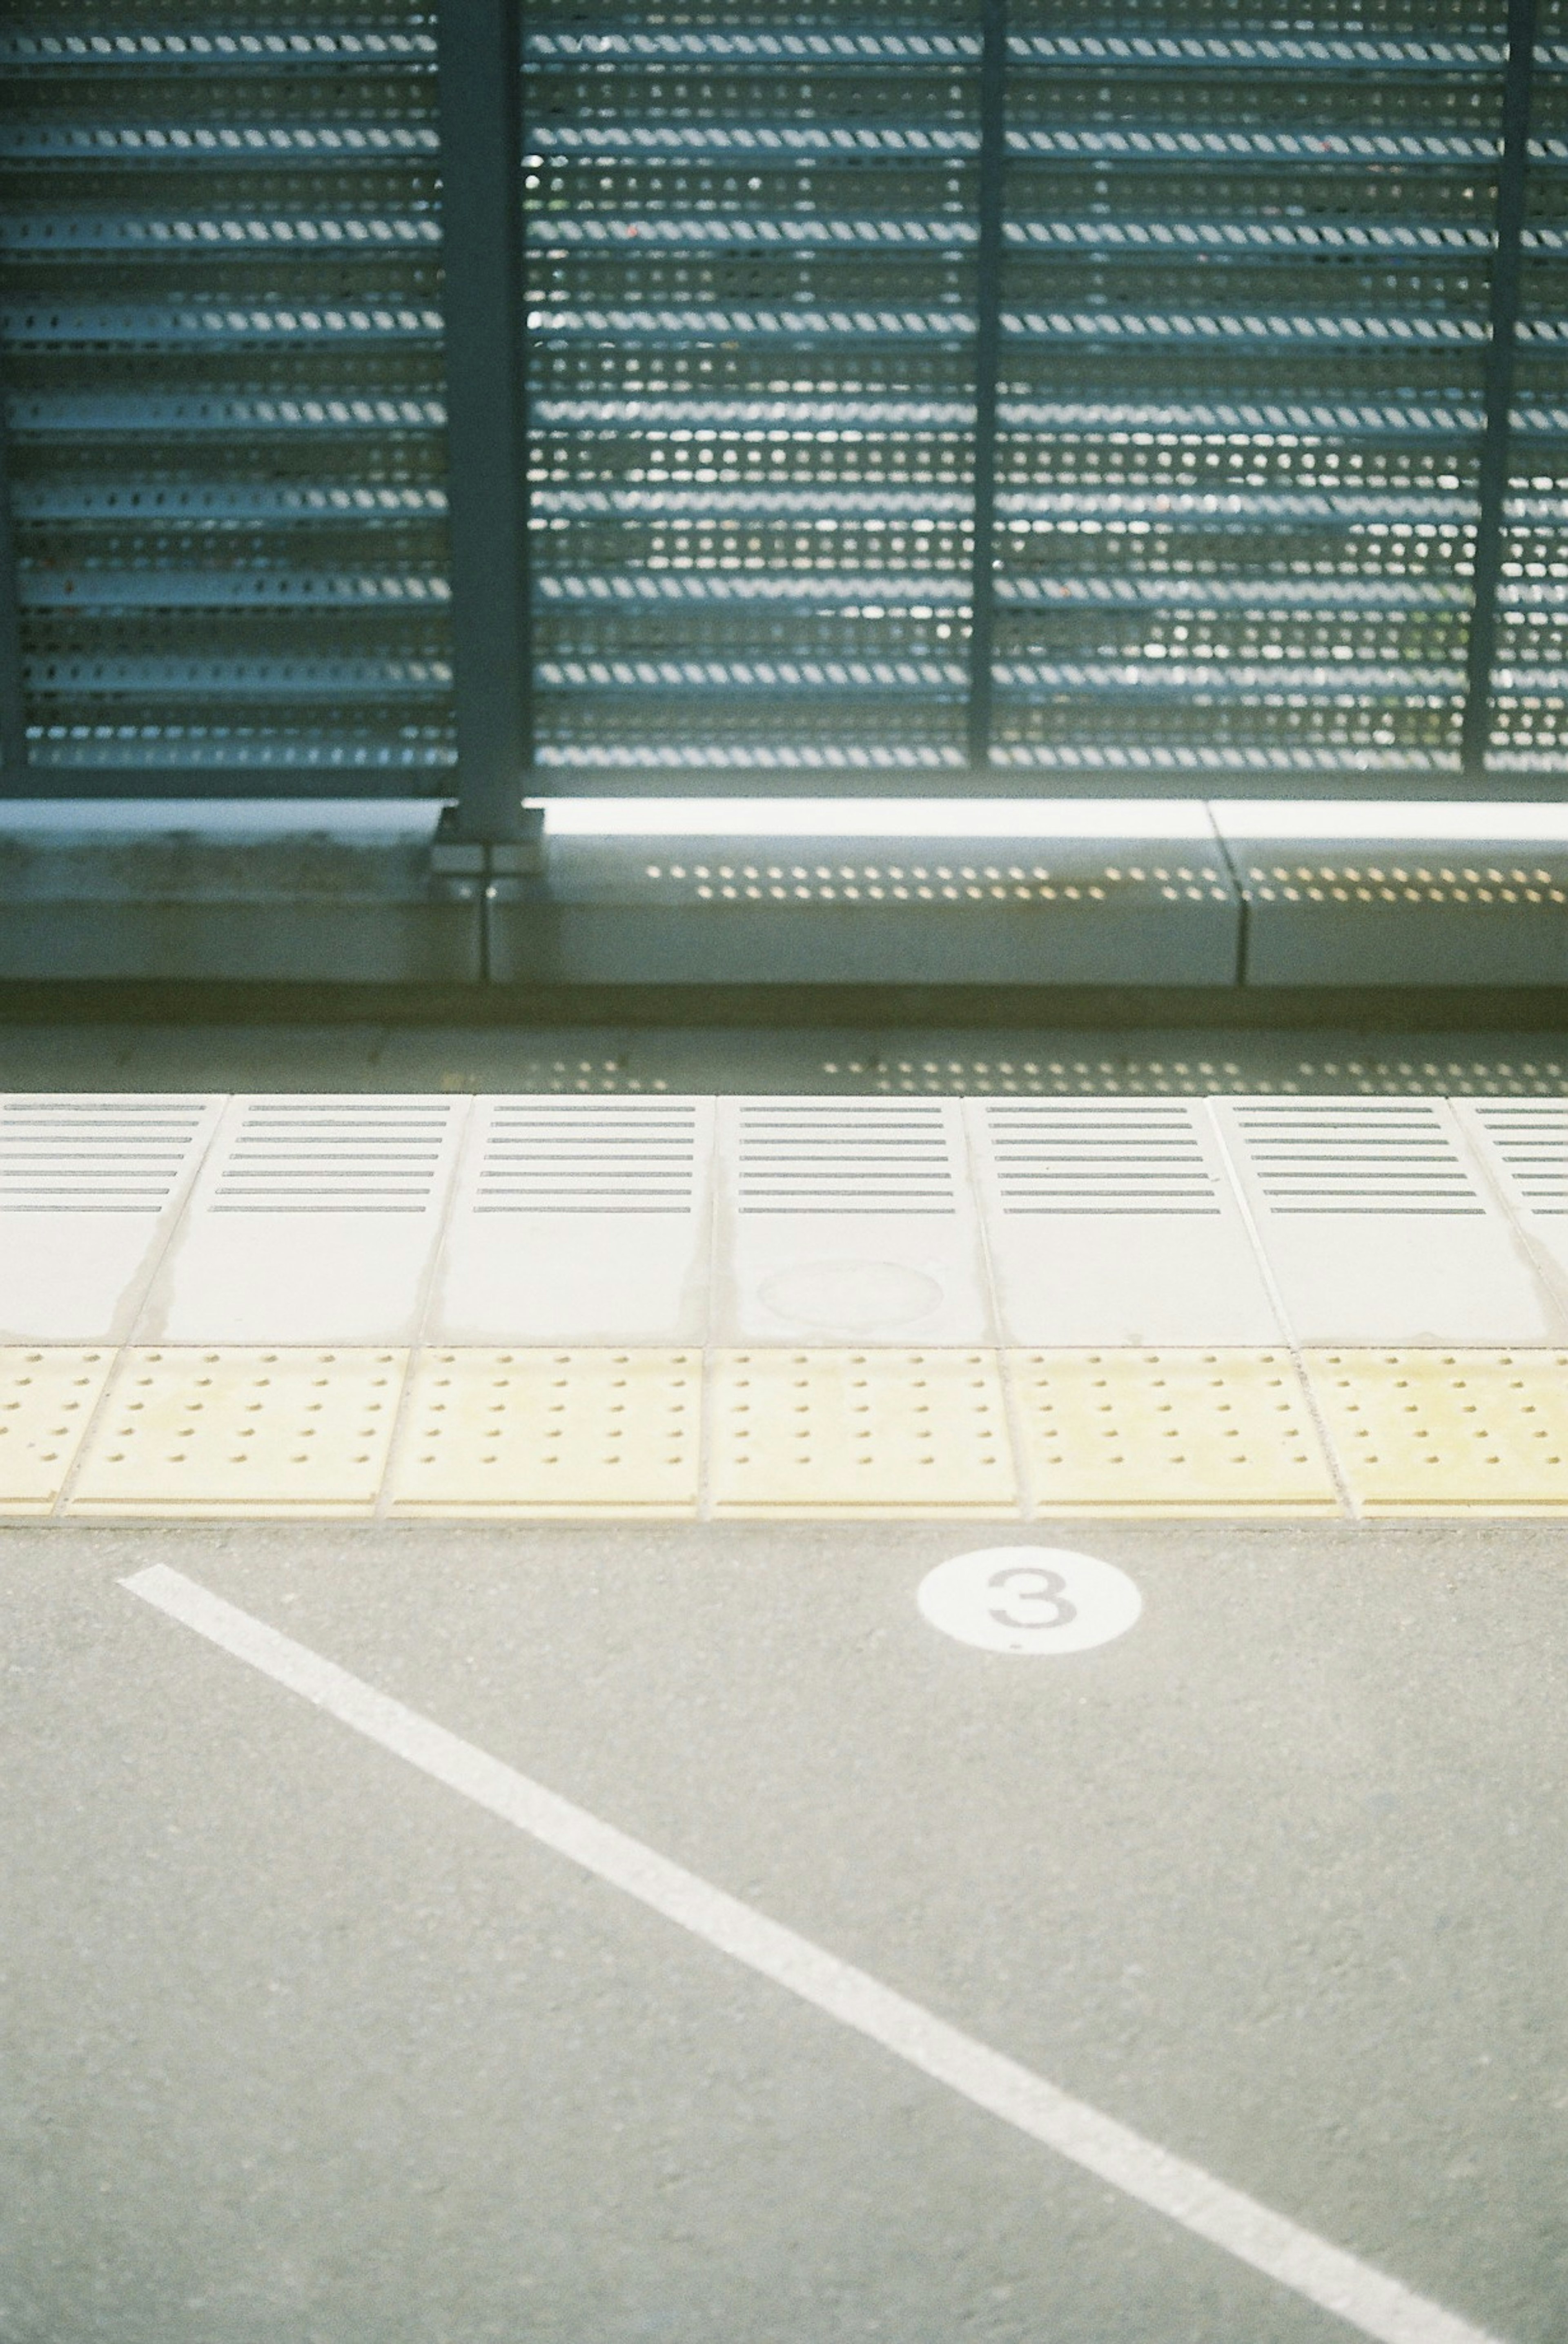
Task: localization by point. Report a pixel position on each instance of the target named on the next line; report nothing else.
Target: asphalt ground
(302, 2045)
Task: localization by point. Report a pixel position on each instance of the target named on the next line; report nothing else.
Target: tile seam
(977, 1153)
(706, 1347)
(72, 1472)
(1337, 1465)
(1478, 1149)
(465, 1118)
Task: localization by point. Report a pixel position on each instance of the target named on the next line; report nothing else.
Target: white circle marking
(1030, 1599)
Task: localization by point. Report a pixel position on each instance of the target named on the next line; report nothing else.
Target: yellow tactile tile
(1196, 1433)
(822, 1434)
(239, 1432)
(1433, 1433)
(47, 1398)
(543, 1434)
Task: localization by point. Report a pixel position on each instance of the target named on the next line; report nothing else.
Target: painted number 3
(1042, 1600)
(1048, 1588)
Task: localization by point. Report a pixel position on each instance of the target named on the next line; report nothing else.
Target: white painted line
(1365, 2299)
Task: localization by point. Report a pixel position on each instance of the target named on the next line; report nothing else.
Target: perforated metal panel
(1113, 1221)
(315, 1220)
(1244, 318)
(90, 1186)
(580, 1220)
(751, 282)
(1528, 730)
(847, 1219)
(222, 338)
(917, 385)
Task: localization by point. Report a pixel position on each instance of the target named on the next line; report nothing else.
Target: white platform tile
(314, 1220)
(844, 1220)
(579, 1221)
(1378, 1226)
(1524, 1144)
(90, 1184)
(1115, 1221)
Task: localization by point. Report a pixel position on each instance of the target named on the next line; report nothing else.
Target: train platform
(740, 1687)
(676, 1306)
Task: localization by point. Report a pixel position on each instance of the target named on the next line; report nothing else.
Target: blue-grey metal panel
(221, 329)
(1245, 331)
(751, 247)
(1527, 750)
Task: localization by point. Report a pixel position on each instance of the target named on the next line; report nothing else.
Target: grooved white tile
(582, 1221)
(1115, 1221)
(314, 1220)
(847, 1219)
(1525, 1143)
(1379, 1227)
(90, 1182)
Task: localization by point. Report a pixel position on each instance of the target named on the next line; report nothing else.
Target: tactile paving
(46, 1400)
(1445, 1433)
(821, 1433)
(1174, 1432)
(242, 1433)
(543, 1434)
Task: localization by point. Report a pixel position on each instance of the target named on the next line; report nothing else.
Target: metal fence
(894, 395)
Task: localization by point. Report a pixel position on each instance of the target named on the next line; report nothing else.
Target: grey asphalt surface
(301, 2049)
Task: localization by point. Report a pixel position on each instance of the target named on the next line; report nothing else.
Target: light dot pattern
(1440, 1432)
(542, 1433)
(827, 1432)
(241, 1432)
(46, 1402)
(1172, 1431)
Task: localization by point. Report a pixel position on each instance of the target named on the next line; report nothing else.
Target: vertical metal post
(479, 61)
(1499, 386)
(987, 366)
(13, 707)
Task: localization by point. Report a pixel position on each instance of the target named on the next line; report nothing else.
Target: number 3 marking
(1049, 1588)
